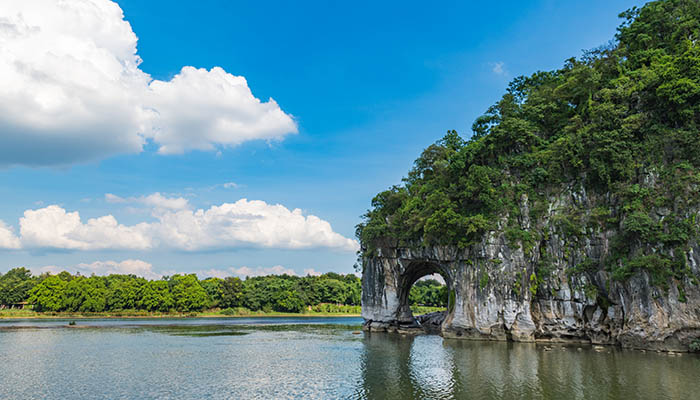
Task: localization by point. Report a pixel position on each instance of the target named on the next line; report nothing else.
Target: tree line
(65, 292)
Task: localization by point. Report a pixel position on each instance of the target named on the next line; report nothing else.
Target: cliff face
(571, 213)
(504, 289)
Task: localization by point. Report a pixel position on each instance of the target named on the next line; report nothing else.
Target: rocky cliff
(504, 289)
(570, 212)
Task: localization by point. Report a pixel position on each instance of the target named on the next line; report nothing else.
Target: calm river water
(313, 358)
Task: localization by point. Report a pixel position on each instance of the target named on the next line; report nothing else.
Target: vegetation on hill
(620, 123)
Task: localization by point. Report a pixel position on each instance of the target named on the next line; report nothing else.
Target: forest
(65, 292)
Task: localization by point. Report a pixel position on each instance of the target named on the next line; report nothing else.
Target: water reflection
(429, 367)
(229, 359)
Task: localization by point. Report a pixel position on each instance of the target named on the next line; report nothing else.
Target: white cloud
(155, 200)
(230, 185)
(312, 272)
(127, 267)
(214, 273)
(499, 68)
(112, 198)
(53, 227)
(243, 272)
(261, 271)
(71, 90)
(135, 267)
(230, 225)
(199, 109)
(8, 240)
(50, 269)
(436, 277)
(245, 223)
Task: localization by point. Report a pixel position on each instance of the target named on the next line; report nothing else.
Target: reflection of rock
(432, 322)
(498, 290)
(396, 367)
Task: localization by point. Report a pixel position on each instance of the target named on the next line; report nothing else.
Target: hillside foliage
(621, 122)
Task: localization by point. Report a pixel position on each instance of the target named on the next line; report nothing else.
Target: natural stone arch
(386, 283)
(413, 272)
(492, 310)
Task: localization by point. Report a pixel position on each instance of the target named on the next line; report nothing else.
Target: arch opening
(423, 285)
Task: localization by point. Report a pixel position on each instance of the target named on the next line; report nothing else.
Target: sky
(241, 138)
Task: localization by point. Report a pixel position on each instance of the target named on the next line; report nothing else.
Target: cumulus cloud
(245, 223)
(128, 267)
(53, 227)
(230, 225)
(8, 240)
(199, 109)
(71, 90)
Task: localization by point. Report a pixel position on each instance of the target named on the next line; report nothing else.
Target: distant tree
(15, 286)
(85, 294)
(155, 296)
(333, 291)
(428, 292)
(49, 294)
(76, 293)
(231, 290)
(187, 293)
(123, 291)
(288, 301)
(213, 288)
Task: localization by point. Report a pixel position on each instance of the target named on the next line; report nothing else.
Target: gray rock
(496, 295)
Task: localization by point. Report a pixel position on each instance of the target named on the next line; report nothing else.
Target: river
(314, 358)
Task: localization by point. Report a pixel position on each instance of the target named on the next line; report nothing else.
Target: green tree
(231, 289)
(155, 296)
(123, 292)
(49, 294)
(85, 294)
(15, 286)
(187, 293)
(213, 288)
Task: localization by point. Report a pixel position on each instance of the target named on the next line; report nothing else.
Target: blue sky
(367, 86)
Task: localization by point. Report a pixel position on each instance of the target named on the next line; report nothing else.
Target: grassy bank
(335, 311)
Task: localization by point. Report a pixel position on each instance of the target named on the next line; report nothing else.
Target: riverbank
(214, 313)
(4, 314)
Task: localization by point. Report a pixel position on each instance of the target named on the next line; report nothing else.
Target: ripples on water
(304, 358)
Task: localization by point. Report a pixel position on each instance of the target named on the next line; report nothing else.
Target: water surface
(313, 358)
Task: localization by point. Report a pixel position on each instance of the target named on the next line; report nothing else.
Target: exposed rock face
(496, 295)
(432, 322)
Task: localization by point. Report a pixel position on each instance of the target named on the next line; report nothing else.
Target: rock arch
(386, 283)
(498, 292)
(474, 310)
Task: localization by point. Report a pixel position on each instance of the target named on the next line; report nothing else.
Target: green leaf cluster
(428, 292)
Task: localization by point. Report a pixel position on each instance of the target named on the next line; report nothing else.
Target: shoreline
(177, 316)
